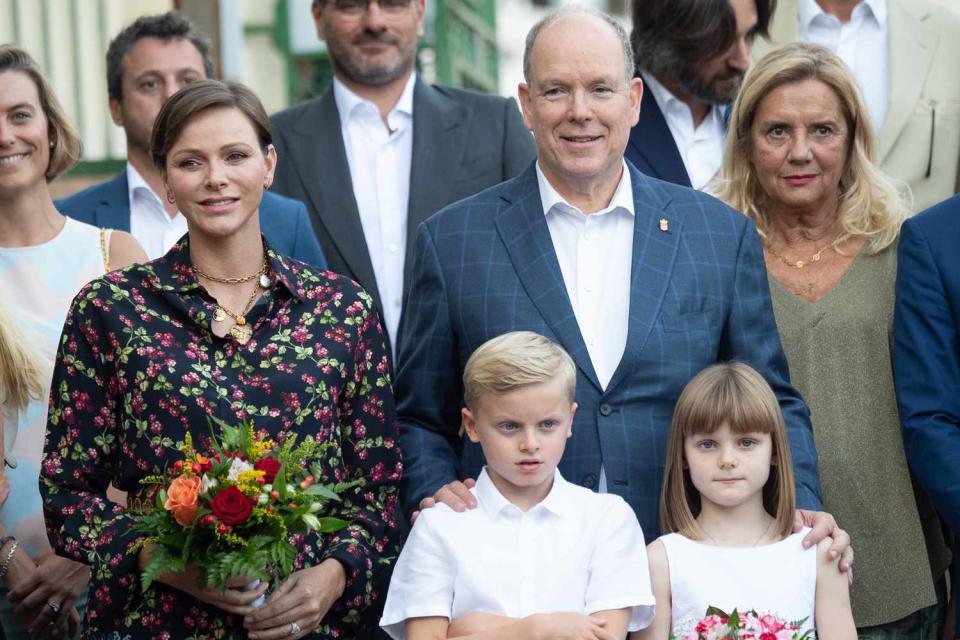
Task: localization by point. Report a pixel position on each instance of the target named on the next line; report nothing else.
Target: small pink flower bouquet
(749, 625)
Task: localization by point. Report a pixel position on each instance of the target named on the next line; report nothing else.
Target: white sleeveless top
(779, 579)
(38, 283)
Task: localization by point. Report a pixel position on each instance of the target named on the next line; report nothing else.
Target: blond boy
(540, 557)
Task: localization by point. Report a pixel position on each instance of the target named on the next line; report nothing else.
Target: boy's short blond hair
(515, 360)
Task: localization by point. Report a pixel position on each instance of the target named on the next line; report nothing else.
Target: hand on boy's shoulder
(456, 495)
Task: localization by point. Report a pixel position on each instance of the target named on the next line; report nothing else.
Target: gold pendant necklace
(241, 330)
(799, 264)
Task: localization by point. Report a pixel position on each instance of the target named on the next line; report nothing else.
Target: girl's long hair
(736, 395)
(22, 376)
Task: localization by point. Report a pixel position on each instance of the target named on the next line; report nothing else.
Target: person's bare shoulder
(125, 250)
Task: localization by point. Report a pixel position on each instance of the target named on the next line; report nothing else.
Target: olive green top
(839, 352)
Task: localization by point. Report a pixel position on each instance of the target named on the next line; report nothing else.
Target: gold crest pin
(664, 224)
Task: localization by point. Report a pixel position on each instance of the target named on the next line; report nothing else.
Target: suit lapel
(652, 141)
(438, 147)
(113, 209)
(654, 254)
(523, 228)
(320, 158)
(911, 50)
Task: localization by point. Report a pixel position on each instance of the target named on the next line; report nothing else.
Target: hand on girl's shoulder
(827, 566)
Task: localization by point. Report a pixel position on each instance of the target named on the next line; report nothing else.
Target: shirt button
(397, 302)
(590, 480)
(605, 409)
(393, 248)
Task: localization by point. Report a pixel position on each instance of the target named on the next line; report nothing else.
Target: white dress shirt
(861, 43)
(595, 252)
(150, 224)
(701, 148)
(380, 160)
(576, 551)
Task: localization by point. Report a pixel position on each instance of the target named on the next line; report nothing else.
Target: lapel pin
(664, 224)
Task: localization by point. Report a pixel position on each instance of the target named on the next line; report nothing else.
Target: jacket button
(590, 480)
(605, 409)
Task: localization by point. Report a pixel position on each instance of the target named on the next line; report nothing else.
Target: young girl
(728, 505)
(22, 379)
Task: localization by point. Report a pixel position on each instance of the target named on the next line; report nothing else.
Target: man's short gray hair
(550, 18)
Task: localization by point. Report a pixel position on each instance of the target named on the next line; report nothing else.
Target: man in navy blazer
(284, 221)
(677, 283)
(148, 62)
(692, 56)
(926, 354)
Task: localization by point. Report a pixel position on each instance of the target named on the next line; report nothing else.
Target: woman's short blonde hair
(515, 360)
(65, 145)
(871, 205)
(736, 395)
(21, 374)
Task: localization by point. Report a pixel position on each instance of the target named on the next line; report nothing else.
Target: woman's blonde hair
(515, 360)
(871, 205)
(21, 374)
(65, 145)
(730, 394)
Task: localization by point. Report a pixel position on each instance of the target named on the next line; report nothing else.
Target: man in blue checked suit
(643, 282)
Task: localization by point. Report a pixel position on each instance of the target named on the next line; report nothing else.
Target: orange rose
(182, 499)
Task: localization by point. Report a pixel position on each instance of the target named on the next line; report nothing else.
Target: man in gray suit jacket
(382, 150)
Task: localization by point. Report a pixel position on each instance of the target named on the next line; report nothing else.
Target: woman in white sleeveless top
(45, 259)
(729, 499)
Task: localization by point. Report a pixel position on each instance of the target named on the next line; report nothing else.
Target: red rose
(269, 466)
(231, 506)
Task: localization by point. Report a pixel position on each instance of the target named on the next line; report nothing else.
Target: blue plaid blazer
(699, 294)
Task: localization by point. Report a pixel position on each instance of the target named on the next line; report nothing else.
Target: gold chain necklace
(241, 331)
(242, 279)
(800, 264)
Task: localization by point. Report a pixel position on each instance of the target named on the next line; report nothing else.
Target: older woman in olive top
(798, 161)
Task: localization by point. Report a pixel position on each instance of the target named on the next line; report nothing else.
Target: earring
(52, 144)
(170, 197)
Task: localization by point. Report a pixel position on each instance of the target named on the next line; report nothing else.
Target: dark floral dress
(138, 367)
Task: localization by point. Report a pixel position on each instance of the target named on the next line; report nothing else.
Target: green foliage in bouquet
(230, 511)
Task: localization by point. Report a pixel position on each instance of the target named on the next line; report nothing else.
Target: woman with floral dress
(220, 326)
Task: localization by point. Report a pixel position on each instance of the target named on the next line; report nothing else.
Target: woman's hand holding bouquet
(221, 523)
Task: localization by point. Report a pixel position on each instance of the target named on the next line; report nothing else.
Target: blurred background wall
(271, 45)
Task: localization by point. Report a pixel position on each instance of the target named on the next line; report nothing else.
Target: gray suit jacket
(463, 142)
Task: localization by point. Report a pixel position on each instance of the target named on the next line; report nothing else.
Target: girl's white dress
(779, 579)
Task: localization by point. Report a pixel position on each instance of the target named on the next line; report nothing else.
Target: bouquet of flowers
(717, 625)
(230, 511)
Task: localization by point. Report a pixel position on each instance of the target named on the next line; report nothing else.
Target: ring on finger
(54, 605)
(294, 628)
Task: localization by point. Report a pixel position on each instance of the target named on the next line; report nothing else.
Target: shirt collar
(661, 94)
(136, 183)
(669, 102)
(809, 10)
(174, 270)
(347, 101)
(622, 197)
(494, 503)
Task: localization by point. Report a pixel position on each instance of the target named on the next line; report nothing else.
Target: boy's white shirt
(575, 551)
